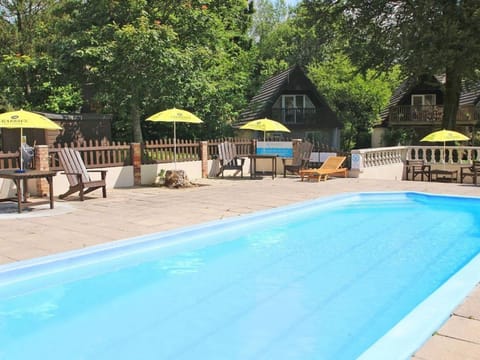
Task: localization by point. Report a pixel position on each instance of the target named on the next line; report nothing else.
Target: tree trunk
(453, 87)
(136, 126)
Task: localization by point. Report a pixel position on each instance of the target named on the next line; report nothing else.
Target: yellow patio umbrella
(264, 125)
(444, 136)
(173, 116)
(22, 119)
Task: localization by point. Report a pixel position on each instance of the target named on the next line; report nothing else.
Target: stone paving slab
(470, 308)
(446, 348)
(131, 212)
(462, 328)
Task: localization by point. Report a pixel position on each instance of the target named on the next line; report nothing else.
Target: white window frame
(423, 96)
(294, 96)
(293, 120)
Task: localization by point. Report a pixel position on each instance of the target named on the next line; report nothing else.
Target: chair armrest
(103, 173)
(242, 160)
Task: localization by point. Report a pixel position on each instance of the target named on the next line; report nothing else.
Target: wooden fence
(10, 160)
(95, 154)
(102, 154)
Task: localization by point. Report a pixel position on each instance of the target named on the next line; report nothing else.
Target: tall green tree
(425, 37)
(143, 57)
(29, 75)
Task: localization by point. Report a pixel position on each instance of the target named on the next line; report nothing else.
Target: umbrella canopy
(264, 125)
(444, 136)
(21, 119)
(173, 116)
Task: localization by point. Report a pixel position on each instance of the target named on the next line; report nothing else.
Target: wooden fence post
(42, 164)
(136, 153)
(204, 158)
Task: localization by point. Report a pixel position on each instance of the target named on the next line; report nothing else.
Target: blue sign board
(279, 148)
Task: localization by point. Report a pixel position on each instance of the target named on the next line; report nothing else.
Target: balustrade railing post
(356, 163)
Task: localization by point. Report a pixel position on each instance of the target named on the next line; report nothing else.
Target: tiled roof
(267, 94)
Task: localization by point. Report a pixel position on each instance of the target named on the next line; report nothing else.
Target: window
(424, 99)
(293, 101)
(293, 106)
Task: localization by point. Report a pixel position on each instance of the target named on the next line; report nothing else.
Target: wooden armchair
(472, 170)
(301, 158)
(418, 167)
(78, 176)
(227, 154)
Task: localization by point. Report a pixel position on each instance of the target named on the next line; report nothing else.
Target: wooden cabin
(292, 99)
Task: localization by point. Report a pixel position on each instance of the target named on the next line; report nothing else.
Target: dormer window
(293, 101)
(424, 99)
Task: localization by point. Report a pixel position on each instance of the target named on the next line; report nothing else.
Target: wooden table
(20, 178)
(444, 175)
(253, 164)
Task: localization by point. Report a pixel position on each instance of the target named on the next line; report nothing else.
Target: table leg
(19, 194)
(50, 190)
(25, 190)
(254, 172)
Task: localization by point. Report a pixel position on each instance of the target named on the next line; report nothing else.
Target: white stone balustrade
(387, 162)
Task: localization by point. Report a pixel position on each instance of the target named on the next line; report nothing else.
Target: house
(291, 99)
(76, 128)
(416, 107)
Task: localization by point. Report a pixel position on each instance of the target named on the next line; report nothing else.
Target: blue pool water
(327, 279)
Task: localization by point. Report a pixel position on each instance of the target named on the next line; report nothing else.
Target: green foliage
(425, 37)
(29, 75)
(144, 57)
(356, 98)
(394, 137)
(34, 82)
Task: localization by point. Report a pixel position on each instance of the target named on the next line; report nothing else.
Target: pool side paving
(126, 213)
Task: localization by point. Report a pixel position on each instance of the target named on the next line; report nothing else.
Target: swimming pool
(370, 273)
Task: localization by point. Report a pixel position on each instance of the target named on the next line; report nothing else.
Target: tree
(29, 76)
(357, 99)
(425, 37)
(144, 57)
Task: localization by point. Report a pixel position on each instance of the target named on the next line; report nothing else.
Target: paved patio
(142, 210)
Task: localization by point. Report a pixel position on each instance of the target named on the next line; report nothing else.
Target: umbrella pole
(174, 146)
(21, 149)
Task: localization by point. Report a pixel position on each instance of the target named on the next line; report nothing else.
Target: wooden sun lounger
(78, 176)
(331, 167)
